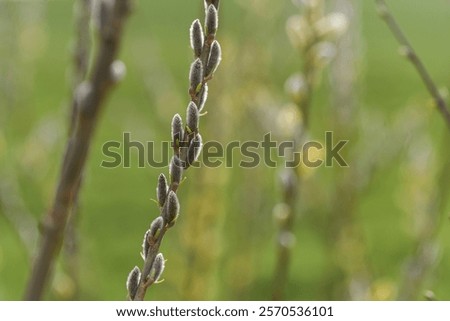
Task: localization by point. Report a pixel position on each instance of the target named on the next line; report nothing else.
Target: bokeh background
(358, 228)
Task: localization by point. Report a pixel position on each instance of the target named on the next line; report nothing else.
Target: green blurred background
(223, 246)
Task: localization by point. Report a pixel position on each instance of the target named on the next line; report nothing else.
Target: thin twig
(91, 95)
(81, 51)
(412, 56)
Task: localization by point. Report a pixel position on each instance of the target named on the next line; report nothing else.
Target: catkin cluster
(186, 144)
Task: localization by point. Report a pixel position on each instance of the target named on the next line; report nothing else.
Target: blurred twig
(411, 54)
(427, 247)
(81, 51)
(90, 96)
(423, 261)
(310, 33)
(346, 242)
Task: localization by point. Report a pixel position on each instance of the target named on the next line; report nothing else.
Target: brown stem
(111, 24)
(412, 56)
(83, 15)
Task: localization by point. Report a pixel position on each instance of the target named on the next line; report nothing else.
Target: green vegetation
(398, 144)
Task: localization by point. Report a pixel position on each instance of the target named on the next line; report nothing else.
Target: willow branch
(90, 95)
(186, 147)
(412, 56)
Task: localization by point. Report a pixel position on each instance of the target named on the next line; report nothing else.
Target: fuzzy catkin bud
(177, 132)
(203, 97)
(117, 71)
(331, 26)
(197, 37)
(156, 226)
(194, 149)
(296, 87)
(172, 208)
(324, 52)
(211, 21)
(157, 268)
(192, 117)
(196, 77)
(161, 190)
(175, 170)
(214, 59)
(133, 282)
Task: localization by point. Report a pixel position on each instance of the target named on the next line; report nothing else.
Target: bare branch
(412, 56)
(90, 96)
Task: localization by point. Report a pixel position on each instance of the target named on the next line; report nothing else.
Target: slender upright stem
(81, 51)
(91, 95)
(412, 56)
(208, 55)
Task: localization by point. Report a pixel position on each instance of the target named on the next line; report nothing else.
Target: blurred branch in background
(312, 33)
(350, 274)
(90, 97)
(81, 51)
(410, 53)
(429, 209)
(425, 258)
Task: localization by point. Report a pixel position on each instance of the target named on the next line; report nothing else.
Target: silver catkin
(176, 170)
(211, 21)
(194, 150)
(156, 226)
(133, 282)
(177, 131)
(215, 57)
(195, 77)
(158, 267)
(192, 117)
(172, 208)
(161, 190)
(197, 38)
